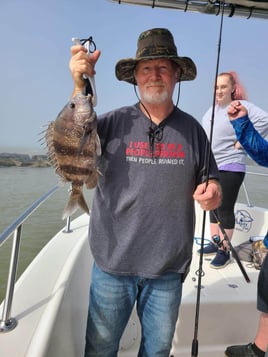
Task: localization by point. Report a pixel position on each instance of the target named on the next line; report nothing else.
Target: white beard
(155, 98)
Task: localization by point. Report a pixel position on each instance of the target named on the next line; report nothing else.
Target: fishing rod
(200, 272)
(220, 243)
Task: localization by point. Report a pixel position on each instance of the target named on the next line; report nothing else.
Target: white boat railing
(7, 323)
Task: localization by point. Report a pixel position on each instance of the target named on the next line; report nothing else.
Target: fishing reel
(217, 240)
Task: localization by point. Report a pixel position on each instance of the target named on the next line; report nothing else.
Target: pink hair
(239, 91)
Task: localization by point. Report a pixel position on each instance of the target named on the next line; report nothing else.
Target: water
(256, 185)
(20, 187)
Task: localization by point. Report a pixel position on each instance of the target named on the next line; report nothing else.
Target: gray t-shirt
(224, 136)
(142, 219)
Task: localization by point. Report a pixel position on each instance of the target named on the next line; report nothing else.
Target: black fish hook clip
(90, 86)
(89, 44)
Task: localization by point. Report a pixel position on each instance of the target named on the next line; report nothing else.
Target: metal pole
(7, 323)
(68, 225)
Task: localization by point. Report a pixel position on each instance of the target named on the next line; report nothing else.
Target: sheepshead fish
(73, 146)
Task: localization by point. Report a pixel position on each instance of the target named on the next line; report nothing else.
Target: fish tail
(76, 201)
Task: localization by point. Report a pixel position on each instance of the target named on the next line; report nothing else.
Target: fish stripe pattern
(73, 146)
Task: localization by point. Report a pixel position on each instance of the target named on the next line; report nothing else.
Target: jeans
(112, 298)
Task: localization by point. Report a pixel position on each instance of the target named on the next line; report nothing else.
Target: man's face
(156, 80)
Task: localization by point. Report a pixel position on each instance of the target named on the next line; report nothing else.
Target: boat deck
(227, 313)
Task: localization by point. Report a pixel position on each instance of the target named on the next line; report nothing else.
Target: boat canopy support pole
(8, 323)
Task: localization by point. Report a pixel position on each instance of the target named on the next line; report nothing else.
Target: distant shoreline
(11, 159)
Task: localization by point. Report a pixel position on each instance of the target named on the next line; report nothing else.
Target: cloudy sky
(35, 51)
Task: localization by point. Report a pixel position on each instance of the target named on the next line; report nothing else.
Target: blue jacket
(254, 144)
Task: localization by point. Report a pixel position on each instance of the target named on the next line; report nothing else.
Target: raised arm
(254, 144)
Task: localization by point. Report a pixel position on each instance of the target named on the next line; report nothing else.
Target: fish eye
(72, 105)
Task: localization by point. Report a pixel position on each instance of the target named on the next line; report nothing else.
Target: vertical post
(7, 323)
(246, 194)
(68, 224)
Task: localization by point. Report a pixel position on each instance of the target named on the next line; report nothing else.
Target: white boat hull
(51, 299)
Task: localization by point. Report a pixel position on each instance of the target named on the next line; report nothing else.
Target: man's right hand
(82, 63)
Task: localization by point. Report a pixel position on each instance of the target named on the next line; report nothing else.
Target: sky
(35, 81)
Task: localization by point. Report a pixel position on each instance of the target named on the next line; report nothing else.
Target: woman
(230, 158)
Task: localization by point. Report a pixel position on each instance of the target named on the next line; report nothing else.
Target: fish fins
(93, 178)
(76, 201)
(98, 145)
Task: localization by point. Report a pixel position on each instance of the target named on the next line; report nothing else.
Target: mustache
(154, 83)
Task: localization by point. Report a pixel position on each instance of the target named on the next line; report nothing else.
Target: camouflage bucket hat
(153, 44)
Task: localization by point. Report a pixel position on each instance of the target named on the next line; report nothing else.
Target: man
(257, 148)
(153, 167)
